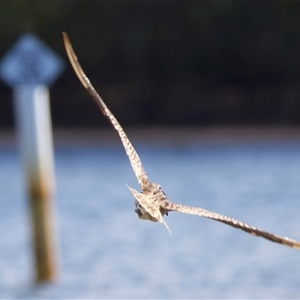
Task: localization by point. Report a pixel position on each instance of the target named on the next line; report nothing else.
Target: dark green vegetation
(168, 63)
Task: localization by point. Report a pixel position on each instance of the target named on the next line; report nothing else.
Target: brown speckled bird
(152, 203)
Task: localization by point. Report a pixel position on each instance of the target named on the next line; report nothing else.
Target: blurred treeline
(167, 63)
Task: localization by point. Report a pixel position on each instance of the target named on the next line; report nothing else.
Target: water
(107, 252)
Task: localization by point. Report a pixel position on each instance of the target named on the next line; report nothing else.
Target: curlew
(152, 203)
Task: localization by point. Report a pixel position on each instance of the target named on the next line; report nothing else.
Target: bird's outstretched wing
(230, 221)
(134, 158)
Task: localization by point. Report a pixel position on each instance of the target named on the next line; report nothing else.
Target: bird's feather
(134, 158)
(230, 221)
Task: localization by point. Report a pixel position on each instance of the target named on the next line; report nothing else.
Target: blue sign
(30, 62)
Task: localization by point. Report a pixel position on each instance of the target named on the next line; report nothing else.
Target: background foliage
(167, 63)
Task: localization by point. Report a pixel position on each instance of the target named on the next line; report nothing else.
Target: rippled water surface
(107, 252)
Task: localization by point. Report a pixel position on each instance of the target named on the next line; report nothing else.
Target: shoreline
(163, 135)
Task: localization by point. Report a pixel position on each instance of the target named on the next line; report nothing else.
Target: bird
(152, 203)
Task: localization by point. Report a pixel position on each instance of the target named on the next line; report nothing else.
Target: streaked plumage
(152, 203)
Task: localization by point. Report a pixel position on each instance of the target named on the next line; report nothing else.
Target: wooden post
(34, 128)
(29, 68)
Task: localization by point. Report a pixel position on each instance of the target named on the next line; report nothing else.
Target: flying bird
(152, 203)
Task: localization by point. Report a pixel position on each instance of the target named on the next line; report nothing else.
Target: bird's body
(152, 203)
(149, 204)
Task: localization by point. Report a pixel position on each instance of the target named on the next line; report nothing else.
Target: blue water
(105, 251)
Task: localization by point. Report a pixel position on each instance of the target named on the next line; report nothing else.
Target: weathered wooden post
(29, 68)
